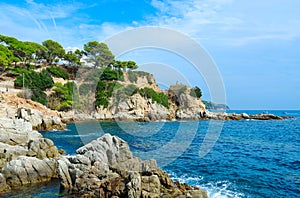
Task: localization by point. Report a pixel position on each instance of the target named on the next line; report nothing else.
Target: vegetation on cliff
(106, 81)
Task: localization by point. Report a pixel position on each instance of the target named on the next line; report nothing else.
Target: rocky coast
(103, 168)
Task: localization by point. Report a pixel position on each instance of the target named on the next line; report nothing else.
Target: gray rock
(106, 168)
(42, 148)
(107, 149)
(25, 170)
(9, 152)
(40, 121)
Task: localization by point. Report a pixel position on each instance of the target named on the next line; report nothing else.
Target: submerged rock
(106, 168)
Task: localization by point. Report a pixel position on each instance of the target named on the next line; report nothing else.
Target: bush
(196, 92)
(64, 96)
(34, 80)
(58, 72)
(39, 96)
(109, 74)
(160, 98)
(125, 91)
(37, 83)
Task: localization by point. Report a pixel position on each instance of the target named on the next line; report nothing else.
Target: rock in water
(106, 168)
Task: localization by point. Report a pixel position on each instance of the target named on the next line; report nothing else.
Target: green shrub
(104, 91)
(36, 82)
(39, 96)
(196, 92)
(58, 72)
(160, 98)
(109, 74)
(130, 90)
(64, 96)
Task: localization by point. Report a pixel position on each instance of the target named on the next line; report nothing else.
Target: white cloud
(224, 21)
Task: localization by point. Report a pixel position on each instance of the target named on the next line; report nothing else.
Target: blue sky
(255, 44)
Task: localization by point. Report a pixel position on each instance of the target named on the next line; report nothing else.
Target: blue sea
(248, 158)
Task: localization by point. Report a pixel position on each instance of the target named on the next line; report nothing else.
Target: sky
(254, 44)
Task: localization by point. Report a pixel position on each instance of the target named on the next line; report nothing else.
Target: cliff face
(137, 107)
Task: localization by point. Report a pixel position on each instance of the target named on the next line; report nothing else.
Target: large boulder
(25, 156)
(106, 168)
(27, 170)
(17, 138)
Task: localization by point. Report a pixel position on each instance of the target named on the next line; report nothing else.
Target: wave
(218, 189)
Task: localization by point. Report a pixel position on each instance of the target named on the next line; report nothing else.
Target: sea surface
(248, 158)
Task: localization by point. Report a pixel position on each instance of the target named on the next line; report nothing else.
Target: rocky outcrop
(187, 107)
(243, 116)
(106, 168)
(135, 107)
(28, 170)
(40, 121)
(40, 117)
(25, 156)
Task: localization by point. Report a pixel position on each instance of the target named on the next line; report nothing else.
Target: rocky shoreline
(103, 168)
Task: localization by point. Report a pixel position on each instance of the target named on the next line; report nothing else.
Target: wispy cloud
(214, 21)
(36, 21)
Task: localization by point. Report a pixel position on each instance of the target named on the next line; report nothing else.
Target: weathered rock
(26, 170)
(106, 168)
(17, 138)
(24, 155)
(134, 186)
(150, 186)
(187, 106)
(3, 186)
(42, 148)
(234, 116)
(40, 121)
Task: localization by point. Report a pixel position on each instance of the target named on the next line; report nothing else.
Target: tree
(21, 50)
(54, 51)
(39, 51)
(132, 65)
(73, 57)
(124, 65)
(6, 57)
(98, 54)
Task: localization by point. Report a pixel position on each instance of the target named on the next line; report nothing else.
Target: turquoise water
(250, 158)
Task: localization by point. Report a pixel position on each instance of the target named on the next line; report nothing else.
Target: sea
(246, 158)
